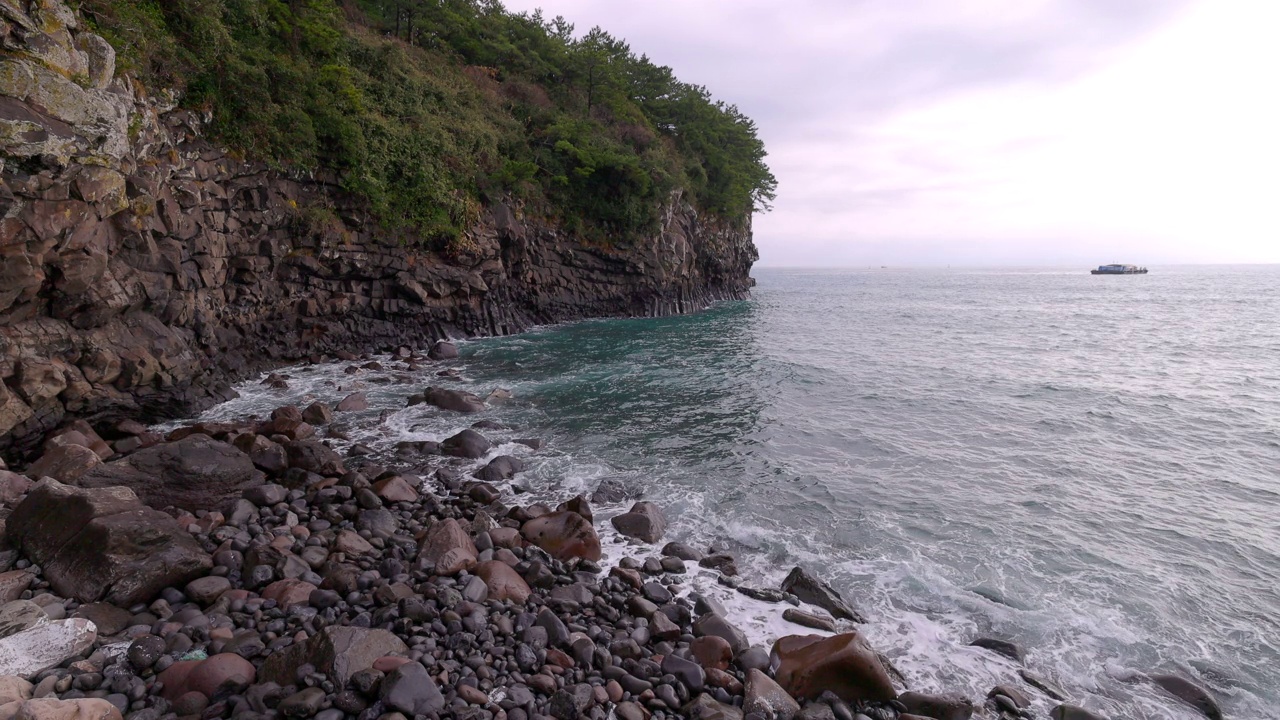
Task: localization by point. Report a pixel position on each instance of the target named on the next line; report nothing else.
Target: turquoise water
(1089, 466)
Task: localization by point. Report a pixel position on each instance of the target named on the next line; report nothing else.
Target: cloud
(989, 131)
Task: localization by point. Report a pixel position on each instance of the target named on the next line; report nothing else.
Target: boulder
(501, 468)
(20, 615)
(14, 689)
(36, 649)
(808, 665)
(194, 473)
(65, 463)
(503, 582)
(705, 707)
(395, 489)
(351, 403)
(317, 413)
(220, 673)
(12, 487)
(448, 547)
(49, 708)
(809, 620)
(644, 522)
(466, 444)
(337, 651)
(714, 624)
(1189, 693)
(1002, 647)
(456, 400)
(563, 535)
(1073, 712)
(289, 592)
(102, 544)
(810, 589)
(766, 698)
(939, 707)
(443, 350)
(411, 690)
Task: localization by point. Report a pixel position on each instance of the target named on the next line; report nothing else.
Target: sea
(1087, 466)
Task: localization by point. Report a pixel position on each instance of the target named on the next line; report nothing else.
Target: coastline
(625, 577)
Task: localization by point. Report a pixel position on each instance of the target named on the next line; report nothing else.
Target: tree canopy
(430, 108)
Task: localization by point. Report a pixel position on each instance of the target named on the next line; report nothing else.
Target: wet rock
(466, 444)
(20, 615)
(194, 473)
(615, 490)
(810, 589)
(443, 350)
(714, 624)
(501, 468)
(940, 707)
(817, 622)
(844, 664)
(766, 698)
(65, 463)
(455, 400)
(354, 402)
(1015, 696)
(644, 522)
(31, 651)
(1042, 684)
(1189, 693)
(1074, 712)
(686, 671)
(314, 456)
(101, 544)
(682, 551)
(713, 651)
(563, 535)
(1002, 647)
(411, 690)
(317, 413)
(503, 582)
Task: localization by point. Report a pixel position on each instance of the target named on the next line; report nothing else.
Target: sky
(1028, 132)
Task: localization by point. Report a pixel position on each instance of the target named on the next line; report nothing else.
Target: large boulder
(810, 589)
(448, 548)
(457, 400)
(503, 467)
(466, 444)
(410, 690)
(564, 535)
(26, 654)
(808, 665)
(314, 456)
(102, 544)
(339, 652)
(766, 698)
(443, 350)
(65, 463)
(194, 473)
(1189, 693)
(644, 522)
(940, 707)
(503, 582)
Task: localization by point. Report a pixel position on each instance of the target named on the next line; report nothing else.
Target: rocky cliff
(144, 268)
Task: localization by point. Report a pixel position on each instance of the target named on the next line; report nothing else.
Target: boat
(1119, 269)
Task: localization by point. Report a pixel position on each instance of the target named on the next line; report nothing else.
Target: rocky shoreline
(246, 569)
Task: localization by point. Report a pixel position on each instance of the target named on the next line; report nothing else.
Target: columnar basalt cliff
(143, 268)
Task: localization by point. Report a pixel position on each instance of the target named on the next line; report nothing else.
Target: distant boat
(1118, 269)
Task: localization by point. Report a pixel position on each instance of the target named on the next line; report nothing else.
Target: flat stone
(27, 653)
(809, 620)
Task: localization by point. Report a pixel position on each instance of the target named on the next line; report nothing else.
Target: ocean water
(1088, 466)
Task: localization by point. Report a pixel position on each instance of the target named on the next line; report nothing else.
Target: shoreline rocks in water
(291, 585)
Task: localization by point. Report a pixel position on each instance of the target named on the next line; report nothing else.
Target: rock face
(144, 268)
(102, 544)
(194, 473)
(845, 664)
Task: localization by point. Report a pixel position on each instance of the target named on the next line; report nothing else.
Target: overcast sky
(908, 132)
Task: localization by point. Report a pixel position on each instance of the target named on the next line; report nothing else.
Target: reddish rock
(13, 486)
(13, 584)
(448, 547)
(65, 463)
(350, 542)
(712, 652)
(844, 664)
(505, 537)
(503, 582)
(564, 535)
(389, 663)
(289, 592)
(395, 489)
(224, 669)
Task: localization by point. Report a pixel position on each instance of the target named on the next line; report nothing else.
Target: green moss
(428, 110)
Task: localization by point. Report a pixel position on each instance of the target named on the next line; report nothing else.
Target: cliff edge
(143, 268)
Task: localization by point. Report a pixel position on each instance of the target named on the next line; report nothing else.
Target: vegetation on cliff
(429, 108)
